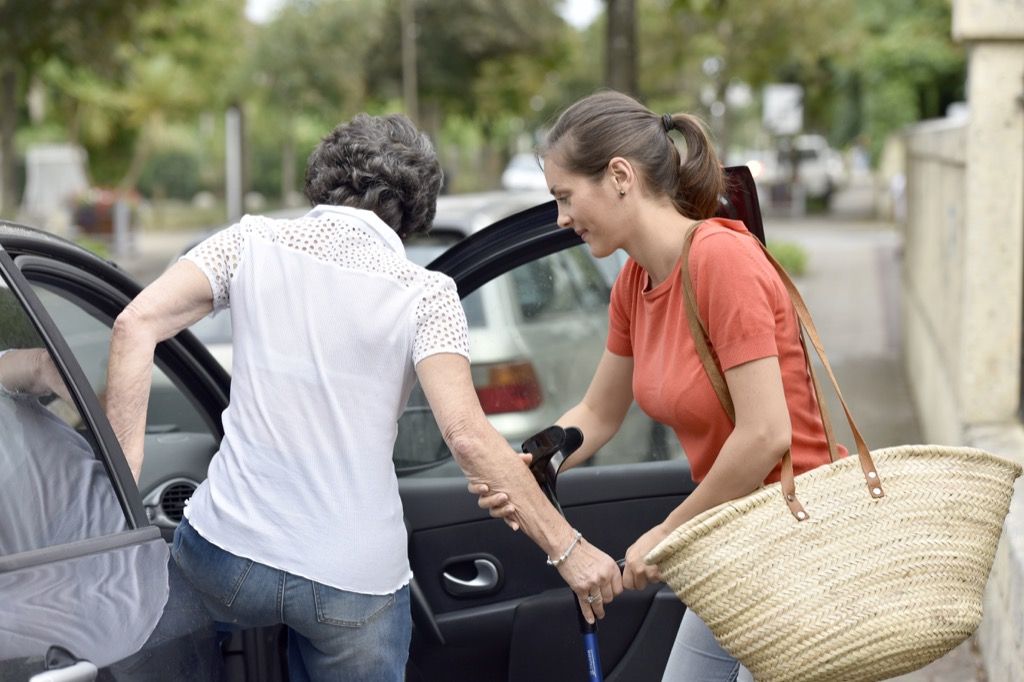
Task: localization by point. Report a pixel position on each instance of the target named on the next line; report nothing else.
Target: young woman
(621, 183)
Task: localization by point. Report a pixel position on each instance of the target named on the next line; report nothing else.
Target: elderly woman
(300, 521)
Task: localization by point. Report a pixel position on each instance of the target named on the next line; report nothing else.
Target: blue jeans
(698, 657)
(332, 634)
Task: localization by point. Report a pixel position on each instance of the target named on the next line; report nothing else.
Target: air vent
(172, 500)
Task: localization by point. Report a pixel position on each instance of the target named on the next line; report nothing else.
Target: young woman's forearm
(742, 465)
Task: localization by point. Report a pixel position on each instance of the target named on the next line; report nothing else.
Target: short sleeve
(619, 309)
(440, 322)
(737, 295)
(218, 257)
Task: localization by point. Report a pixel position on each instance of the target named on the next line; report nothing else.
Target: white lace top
(328, 320)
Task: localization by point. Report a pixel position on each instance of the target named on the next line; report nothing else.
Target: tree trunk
(140, 154)
(8, 126)
(620, 51)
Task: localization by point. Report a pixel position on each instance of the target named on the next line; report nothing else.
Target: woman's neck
(657, 241)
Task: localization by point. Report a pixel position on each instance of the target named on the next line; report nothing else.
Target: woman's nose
(564, 220)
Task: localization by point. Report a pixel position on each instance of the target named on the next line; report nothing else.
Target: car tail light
(507, 387)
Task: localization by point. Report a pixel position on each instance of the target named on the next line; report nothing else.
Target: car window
(532, 361)
(592, 290)
(88, 335)
(54, 489)
(544, 288)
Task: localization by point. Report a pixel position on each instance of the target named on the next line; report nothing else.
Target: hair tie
(668, 123)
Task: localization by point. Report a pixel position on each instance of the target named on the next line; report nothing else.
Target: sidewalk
(852, 287)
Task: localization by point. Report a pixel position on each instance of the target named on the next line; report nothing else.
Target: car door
(487, 606)
(86, 582)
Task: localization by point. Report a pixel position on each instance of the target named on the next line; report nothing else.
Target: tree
(462, 43)
(32, 33)
(621, 49)
(905, 68)
(309, 63)
(754, 43)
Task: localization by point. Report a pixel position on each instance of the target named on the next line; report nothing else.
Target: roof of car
(469, 213)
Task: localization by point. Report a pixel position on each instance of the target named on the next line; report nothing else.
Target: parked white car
(536, 334)
(524, 172)
(820, 169)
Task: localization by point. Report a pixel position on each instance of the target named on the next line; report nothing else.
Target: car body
(524, 172)
(86, 581)
(820, 169)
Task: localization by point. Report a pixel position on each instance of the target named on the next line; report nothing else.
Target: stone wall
(963, 286)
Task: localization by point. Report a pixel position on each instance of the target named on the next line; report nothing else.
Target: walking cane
(549, 449)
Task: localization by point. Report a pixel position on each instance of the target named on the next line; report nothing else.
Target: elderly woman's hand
(593, 576)
(31, 371)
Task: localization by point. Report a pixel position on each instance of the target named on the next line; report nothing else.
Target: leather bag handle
(701, 340)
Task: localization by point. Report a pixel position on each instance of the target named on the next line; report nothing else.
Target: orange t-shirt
(748, 315)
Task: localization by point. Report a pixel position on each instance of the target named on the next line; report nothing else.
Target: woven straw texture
(864, 589)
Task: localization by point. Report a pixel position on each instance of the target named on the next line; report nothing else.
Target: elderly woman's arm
(178, 298)
(487, 459)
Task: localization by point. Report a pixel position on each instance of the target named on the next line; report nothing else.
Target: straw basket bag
(876, 569)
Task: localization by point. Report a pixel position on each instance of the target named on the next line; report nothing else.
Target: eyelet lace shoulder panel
(439, 317)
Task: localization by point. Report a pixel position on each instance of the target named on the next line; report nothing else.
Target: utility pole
(409, 83)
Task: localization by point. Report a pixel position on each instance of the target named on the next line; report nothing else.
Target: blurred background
(136, 126)
(169, 114)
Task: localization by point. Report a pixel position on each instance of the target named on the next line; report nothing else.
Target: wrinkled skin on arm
(180, 297)
(488, 462)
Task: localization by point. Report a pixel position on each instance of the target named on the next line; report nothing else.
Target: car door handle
(486, 580)
(82, 671)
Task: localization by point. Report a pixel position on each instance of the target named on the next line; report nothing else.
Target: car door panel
(531, 617)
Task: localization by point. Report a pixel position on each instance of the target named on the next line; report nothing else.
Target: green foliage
(907, 65)
(792, 257)
(310, 58)
(125, 78)
(173, 173)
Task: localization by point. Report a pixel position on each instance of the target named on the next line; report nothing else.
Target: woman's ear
(623, 177)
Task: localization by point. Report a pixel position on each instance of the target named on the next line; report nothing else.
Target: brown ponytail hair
(608, 124)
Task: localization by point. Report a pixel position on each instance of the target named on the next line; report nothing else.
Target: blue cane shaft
(593, 657)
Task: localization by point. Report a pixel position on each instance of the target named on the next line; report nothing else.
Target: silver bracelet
(565, 555)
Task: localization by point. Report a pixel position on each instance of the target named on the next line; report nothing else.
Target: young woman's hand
(636, 574)
(496, 502)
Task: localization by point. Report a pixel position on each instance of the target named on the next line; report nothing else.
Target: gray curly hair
(379, 163)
